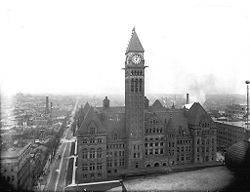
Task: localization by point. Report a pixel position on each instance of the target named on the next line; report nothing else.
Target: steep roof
(86, 108)
(115, 126)
(134, 43)
(196, 113)
(177, 121)
(112, 110)
(157, 106)
(91, 117)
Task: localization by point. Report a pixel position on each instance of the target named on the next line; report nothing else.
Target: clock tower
(134, 102)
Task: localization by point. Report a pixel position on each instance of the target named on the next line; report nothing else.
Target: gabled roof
(86, 108)
(91, 116)
(177, 122)
(196, 113)
(112, 110)
(157, 106)
(134, 44)
(115, 126)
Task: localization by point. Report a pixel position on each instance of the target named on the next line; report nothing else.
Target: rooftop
(233, 123)
(14, 152)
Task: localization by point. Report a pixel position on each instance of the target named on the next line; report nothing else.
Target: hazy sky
(79, 46)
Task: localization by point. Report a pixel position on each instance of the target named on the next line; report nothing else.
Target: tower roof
(134, 43)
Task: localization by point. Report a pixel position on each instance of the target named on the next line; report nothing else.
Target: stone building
(15, 167)
(229, 133)
(113, 141)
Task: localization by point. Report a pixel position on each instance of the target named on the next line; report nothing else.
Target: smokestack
(47, 105)
(187, 98)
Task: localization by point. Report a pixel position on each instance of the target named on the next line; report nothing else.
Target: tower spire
(134, 43)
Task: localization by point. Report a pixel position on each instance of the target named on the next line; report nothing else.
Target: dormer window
(92, 130)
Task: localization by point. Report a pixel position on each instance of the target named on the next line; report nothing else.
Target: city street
(56, 180)
(58, 171)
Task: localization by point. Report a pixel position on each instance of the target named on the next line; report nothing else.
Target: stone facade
(15, 167)
(116, 141)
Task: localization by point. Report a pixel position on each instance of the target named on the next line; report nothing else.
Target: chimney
(106, 103)
(187, 98)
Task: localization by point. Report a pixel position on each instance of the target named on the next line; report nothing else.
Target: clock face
(136, 59)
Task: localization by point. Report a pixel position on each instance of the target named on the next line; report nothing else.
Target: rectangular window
(91, 166)
(151, 151)
(109, 163)
(161, 151)
(182, 149)
(85, 167)
(136, 165)
(99, 166)
(85, 155)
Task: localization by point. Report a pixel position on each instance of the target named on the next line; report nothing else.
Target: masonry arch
(156, 164)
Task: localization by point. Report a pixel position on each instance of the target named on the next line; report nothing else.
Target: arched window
(99, 153)
(148, 165)
(84, 153)
(92, 154)
(198, 141)
(132, 85)
(136, 85)
(92, 130)
(156, 165)
(140, 85)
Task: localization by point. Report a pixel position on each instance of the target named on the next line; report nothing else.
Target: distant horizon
(111, 94)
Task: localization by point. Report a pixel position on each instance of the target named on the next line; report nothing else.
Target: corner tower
(134, 101)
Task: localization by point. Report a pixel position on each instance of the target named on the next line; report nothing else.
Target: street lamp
(247, 82)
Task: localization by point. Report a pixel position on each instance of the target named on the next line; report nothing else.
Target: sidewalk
(170, 169)
(47, 176)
